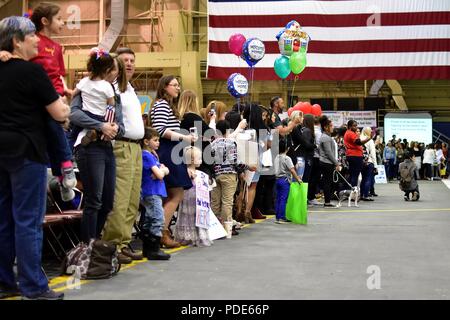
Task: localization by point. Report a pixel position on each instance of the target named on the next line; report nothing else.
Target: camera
(213, 109)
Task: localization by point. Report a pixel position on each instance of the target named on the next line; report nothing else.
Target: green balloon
(297, 62)
(281, 67)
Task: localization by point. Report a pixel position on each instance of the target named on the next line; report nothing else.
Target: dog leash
(336, 180)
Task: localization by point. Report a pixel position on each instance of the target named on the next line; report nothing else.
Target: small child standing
(186, 232)
(284, 171)
(226, 167)
(152, 191)
(97, 94)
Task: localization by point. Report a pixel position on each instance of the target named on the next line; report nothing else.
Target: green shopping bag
(297, 203)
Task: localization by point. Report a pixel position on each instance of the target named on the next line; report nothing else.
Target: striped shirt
(162, 117)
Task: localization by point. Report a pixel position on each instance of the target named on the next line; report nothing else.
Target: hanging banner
(363, 118)
(202, 216)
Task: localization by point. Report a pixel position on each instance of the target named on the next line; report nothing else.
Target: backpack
(96, 260)
(405, 176)
(365, 156)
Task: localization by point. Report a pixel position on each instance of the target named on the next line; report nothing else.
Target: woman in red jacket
(354, 151)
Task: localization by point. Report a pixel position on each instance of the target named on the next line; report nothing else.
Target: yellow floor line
(55, 283)
(63, 279)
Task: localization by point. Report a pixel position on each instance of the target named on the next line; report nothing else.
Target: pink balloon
(290, 110)
(235, 43)
(316, 110)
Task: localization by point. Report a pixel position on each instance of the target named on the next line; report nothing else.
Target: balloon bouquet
(251, 51)
(293, 45)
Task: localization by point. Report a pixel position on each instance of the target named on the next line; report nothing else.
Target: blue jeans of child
(97, 166)
(154, 215)
(282, 187)
(23, 187)
(57, 146)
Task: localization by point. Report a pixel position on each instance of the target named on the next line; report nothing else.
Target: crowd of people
(134, 167)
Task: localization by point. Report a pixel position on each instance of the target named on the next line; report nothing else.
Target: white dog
(352, 194)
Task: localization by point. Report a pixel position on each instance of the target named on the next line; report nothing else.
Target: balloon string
(252, 73)
(292, 92)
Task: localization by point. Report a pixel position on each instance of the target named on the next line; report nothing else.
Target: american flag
(350, 39)
(110, 114)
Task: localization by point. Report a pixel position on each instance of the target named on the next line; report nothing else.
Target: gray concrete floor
(327, 259)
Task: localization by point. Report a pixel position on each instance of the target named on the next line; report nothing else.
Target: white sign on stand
(381, 176)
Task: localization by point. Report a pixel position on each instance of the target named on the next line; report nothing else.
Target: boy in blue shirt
(152, 191)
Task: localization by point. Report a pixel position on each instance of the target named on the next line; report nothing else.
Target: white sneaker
(69, 178)
(67, 194)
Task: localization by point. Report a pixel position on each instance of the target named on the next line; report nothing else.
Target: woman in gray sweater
(328, 158)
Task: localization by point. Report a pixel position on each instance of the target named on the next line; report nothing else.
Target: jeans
(97, 167)
(23, 187)
(390, 169)
(313, 177)
(282, 187)
(57, 146)
(327, 170)
(367, 178)
(264, 193)
(355, 166)
(154, 215)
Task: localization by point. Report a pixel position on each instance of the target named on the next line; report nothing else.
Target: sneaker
(69, 179)
(67, 194)
(48, 295)
(8, 292)
(237, 225)
(280, 221)
(329, 205)
(314, 202)
(366, 199)
(374, 195)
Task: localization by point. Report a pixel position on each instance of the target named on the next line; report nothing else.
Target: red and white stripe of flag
(110, 114)
(350, 39)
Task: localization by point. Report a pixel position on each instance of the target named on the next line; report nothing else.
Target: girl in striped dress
(165, 119)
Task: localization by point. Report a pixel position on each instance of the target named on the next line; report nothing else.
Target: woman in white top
(368, 168)
(429, 158)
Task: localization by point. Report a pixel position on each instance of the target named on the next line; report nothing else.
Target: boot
(151, 247)
(167, 241)
(256, 214)
(248, 217)
(240, 217)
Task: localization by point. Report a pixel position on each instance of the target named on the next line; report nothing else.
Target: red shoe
(256, 214)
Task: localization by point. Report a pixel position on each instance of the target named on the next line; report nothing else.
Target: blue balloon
(237, 85)
(253, 50)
